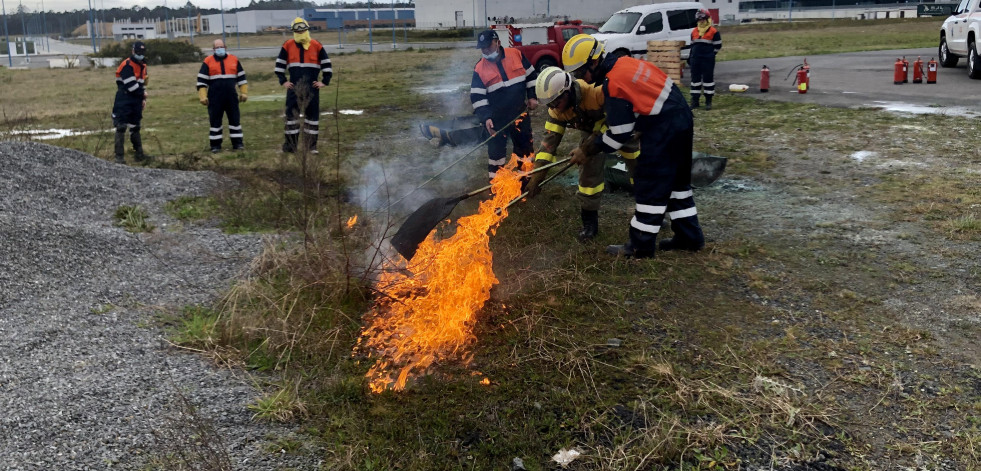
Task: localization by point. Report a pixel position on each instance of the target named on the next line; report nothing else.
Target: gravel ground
(86, 381)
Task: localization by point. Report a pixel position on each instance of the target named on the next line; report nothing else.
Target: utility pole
(371, 14)
(23, 26)
(92, 28)
(221, 4)
(10, 57)
(394, 15)
(237, 38)
(44, 27)
(190, 24)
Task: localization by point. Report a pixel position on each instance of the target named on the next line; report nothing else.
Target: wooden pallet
(666, 55)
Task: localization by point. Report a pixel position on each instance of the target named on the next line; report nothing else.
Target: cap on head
(139, 48)
(485, 38)
(299, 25)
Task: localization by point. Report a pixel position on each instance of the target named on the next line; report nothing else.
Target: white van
(628, 30)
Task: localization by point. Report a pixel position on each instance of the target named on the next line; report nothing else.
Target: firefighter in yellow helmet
(305, 59)
(578, 105)
(641, 98)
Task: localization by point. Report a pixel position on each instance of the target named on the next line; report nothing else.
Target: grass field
(806, 336)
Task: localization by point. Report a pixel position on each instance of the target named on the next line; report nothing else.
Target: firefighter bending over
(305, 59)
(219, 75)
(641, 98)
(578, 105)
(501, 91)
(127, 108)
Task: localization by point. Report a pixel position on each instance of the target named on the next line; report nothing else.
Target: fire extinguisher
(764, 80)
(898, 72)
(932, 71)
(803, 79)
(905, 70)
(918, 70)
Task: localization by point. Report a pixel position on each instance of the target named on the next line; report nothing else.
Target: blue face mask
(138, 57)
(491, 56)
(220, 52)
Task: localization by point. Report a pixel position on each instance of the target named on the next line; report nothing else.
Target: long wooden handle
(539, 169)
(546, 180)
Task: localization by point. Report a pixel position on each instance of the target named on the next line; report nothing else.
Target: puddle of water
(862, 155)
(436, 89)
(909, 108)
(53, 133)
(349, 112)
(267, 97)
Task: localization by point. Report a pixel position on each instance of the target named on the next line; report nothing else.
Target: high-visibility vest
(641, 83)
(139, 72)
(490, 74)
(215, 70)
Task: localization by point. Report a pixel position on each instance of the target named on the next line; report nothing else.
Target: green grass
(133, 219)
(779, 342)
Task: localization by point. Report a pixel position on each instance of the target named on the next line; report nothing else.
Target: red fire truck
(541, 43)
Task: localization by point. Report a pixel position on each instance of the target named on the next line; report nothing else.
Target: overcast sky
(69, 5)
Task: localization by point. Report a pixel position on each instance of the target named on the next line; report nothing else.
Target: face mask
(138, 57)
(491, 56)
(220, 52)
(302, 38)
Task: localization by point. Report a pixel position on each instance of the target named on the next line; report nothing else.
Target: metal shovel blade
(706, 169)
(420, 223)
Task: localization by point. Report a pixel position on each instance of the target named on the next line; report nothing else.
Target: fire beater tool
(422, 221)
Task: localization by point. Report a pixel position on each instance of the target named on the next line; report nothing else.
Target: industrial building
(440, 14)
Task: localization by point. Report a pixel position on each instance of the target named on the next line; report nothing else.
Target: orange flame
(351, 222)
(428, 310)
(485, 381)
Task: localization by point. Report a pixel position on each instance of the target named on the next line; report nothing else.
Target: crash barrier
(666, 55)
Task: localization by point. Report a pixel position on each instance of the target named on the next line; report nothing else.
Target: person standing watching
(501, 91)
(219, 75)
(127, 108)
(706, 41)
(305, 59)
(641, 98)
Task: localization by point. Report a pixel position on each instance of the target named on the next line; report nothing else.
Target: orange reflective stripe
(640, 83)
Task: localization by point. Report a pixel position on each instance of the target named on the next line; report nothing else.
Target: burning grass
(427, 311)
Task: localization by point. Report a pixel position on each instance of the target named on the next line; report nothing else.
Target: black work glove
(535, 180)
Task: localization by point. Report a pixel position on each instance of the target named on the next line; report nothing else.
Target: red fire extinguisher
(932, 71)
(803, 77)
(764, 80)
(898, 72)
(905, 70)
(918, 70)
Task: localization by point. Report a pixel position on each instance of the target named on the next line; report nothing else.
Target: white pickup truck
(959, 37)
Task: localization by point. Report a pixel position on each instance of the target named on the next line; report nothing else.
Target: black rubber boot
(694, 101)
(627, 250)
(119, 148)
(137, 140)
(590, 225)
(708, 102)
(674, 244)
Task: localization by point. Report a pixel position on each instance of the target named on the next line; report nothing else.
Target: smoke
(408, 170)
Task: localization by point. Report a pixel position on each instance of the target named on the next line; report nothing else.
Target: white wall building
(145, 29)
(251, 21)
(466, 13)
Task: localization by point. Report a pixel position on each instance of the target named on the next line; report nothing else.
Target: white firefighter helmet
(552, 83)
